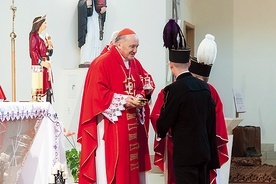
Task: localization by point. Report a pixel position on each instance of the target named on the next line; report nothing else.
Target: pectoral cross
(129, 86)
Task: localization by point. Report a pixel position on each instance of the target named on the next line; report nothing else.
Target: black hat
(175, 41)
(206, 55)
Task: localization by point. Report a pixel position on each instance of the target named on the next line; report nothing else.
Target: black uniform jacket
(189, 112)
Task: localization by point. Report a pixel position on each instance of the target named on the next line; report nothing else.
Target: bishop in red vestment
(112, 87)
(143, 127)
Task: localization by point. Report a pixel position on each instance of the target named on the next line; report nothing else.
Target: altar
(31, 142)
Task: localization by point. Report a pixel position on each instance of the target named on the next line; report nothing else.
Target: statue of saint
(91, 18)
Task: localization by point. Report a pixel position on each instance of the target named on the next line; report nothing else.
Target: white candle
(58, 166)
(54, 170)
(52, 179)
(62, 167)
(3, 156)
(6, 166)
(65, 175)
(5, 176)
(7, 157)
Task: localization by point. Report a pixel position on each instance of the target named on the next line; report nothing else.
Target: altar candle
(5, 176)
(3, 156)
(62, 167)
(58, 166)
(6, 166)
(54, 170)
(7, 157)
(52, 179)
(65, 175)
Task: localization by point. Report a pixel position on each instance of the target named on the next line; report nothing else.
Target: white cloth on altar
(48, 144)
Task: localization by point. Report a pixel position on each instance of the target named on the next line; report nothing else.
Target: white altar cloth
(37, 122)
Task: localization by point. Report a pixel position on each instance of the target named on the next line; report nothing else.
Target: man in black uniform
(189, 112)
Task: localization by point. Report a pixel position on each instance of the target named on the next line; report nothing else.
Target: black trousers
(192, 174)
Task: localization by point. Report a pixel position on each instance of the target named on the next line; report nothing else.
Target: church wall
(216, 17)
(245, 61)
(254, 63)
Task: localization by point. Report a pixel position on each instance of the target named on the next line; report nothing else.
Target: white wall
(254, 63)
(244, 32)
(216, 17)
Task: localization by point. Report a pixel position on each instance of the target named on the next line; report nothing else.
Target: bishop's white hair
(113, 36)
(207, 50)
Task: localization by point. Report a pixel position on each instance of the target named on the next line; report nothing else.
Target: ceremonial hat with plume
(206, 56)
(174, 40)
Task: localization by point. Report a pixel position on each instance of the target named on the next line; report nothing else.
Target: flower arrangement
(72, 156)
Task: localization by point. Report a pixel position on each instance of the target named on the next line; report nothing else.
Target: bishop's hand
(134, 102)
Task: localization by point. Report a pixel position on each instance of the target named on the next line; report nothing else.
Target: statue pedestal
(224, 172)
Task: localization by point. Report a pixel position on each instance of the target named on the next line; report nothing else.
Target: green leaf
(73, 161)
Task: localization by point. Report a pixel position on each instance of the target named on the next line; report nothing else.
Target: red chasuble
(159, 146)
(143, 128)
(108, 75)
(221, 133)
(105, 49)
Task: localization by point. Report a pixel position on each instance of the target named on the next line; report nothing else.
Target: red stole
(221, 132)
(143, 129)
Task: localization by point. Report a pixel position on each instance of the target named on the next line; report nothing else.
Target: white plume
(207, 50)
